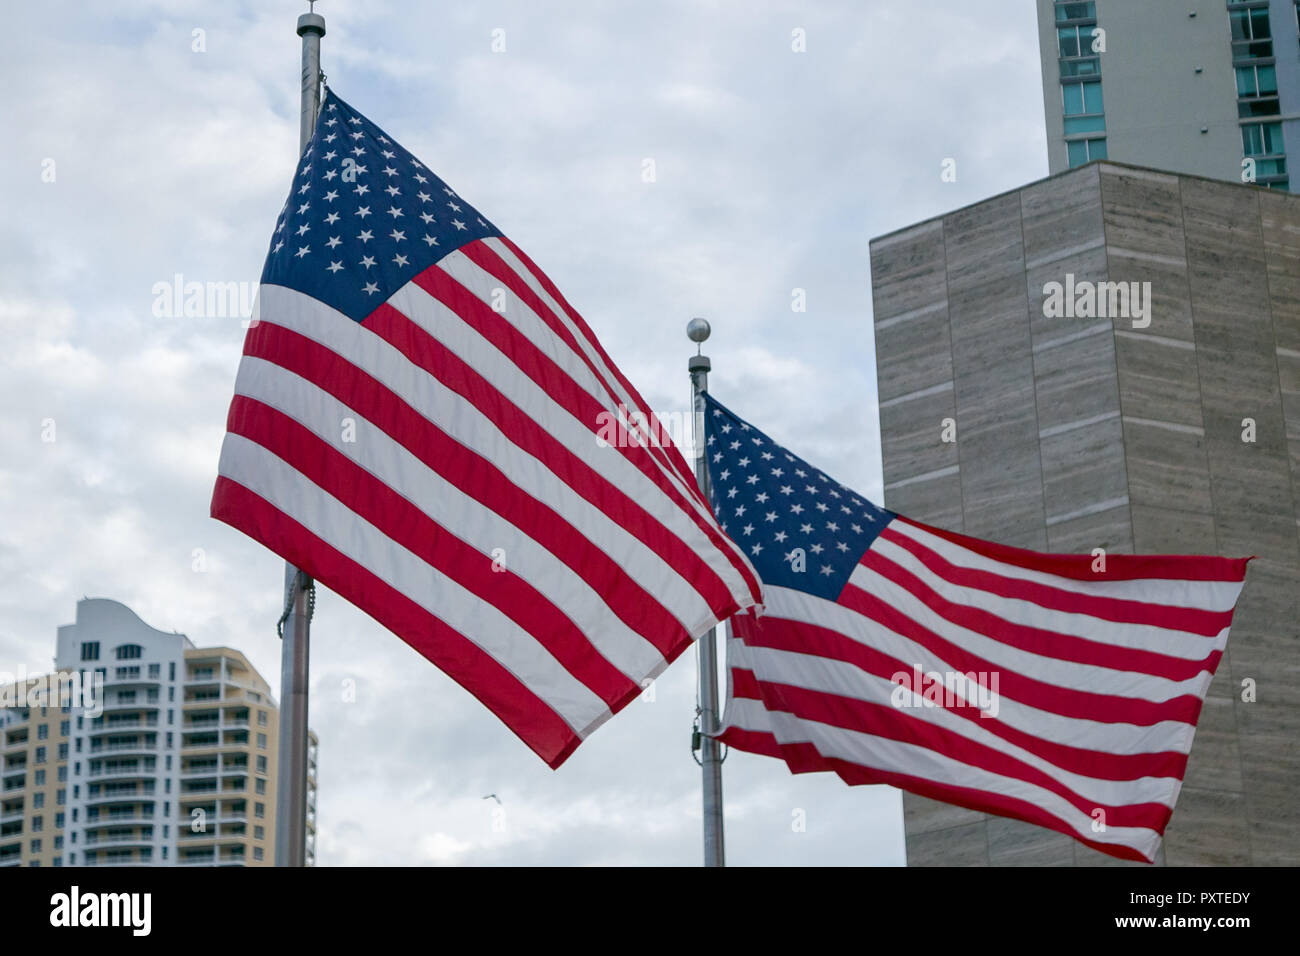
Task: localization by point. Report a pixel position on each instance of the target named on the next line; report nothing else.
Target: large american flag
(1033, 686)
(417, 424)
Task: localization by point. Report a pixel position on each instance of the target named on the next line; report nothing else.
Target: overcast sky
(136, 150)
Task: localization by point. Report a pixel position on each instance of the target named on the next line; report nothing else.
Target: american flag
(416, 424)
(1035, 686)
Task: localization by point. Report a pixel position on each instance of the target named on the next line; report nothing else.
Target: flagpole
(291, 785)
(697, 330)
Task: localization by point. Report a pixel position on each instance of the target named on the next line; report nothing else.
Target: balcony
(113, 773)
(95, 840)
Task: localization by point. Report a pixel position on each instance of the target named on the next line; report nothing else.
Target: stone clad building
(1073, 433)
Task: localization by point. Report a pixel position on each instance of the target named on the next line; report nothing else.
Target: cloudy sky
(137, 149)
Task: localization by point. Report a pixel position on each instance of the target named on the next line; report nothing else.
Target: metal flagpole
(291, 788)
(697, 330)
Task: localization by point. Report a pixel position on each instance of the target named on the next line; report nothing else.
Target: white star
(427, 218)
(744, 463)
(303, 208)
(816, 549)
(397, 235)
(370, 288)
(826, 569)
(806, 528)
(335, 266)
(771, 516)
(780, 537)
(823, 506)
(400, 260)
(458, 224)
(777, 472)
(393, 191)
(756, 549)
(423, 197)
(832, 526)
(430, 240)
(748, 529)
(366, 261)
(732, 492)
(362, 189)
(277, 246)
(740, 509)
(389, 170)
(796, 509)
(842, 546)
(331, 195)
(787, 490)
(303, 229)
(334, 241)
(394, 212)
(453, 207)
(330, 155)
(420, 179)
(725, 473)
(365, 235)
(305, 187)
(330, 174)
(302, 251)
(363, 211)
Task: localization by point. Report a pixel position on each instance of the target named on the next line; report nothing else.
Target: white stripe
(1200, 595)
(1134, 636)
(480, 354)
(462, 516)
(808, 609)
(478, 621)
(890, 755)
(1106, 737)
(827, 676)
(463, 422)
(588, 349)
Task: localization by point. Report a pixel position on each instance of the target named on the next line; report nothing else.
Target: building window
(63, 751)
(38, 824)
(261, 718)
(61, 797)
(36, 846)
(1251, 36)
(38, 800)
(261, 741)
(58, 825)
(261, 786)
(40, 755)
(155, 671)
(63, 773)
(259, 833)
(90, 651)
(64, 727)
(43, 732)
(129, 652)
(58, 845)
(40, 778)
(257, 853)
(261, 765)
(171, 671)
(259, 810)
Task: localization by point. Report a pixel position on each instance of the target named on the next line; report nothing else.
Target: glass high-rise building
(1206, 88)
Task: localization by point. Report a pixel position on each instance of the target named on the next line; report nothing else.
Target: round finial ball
(697, 330)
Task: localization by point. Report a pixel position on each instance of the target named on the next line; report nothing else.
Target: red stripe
(1119, 567)
(894, 723)
(744, 684)
(795, 636)
(1053, 644)
(476, 477)
(1121, 611)
(678, 462)
(1068, 702)
(536, 724)
(398, 519)
(448, 368)
(805, 758)
(549, 376)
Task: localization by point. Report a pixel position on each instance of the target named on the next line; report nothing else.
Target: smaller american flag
(1027, 685)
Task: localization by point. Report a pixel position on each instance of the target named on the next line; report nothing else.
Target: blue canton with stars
(364, 216)
(771, 503)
